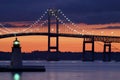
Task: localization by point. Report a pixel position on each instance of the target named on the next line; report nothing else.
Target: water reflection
(87, 75)
(16, 75)
(80, 75)
(67, 70)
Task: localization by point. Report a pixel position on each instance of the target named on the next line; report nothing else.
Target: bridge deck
(115, 39)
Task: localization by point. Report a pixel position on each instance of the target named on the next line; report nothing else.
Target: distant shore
(44, 55)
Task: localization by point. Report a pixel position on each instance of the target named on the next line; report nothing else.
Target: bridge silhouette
(54, 17)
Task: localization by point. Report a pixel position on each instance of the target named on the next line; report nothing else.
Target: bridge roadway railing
(115, 39)
(111, 39)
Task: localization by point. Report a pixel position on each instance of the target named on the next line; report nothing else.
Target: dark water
(69, 70)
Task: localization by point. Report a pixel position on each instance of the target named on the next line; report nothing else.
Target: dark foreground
(23, 69)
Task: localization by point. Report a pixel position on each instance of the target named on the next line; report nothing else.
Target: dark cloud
(101, 18)
(110, 27)
(8, 25)
(87, 11)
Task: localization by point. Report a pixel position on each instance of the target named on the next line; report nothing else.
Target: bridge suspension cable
(83, 31)
(6, 29)
(41, 25)
(72, 23)
(62, 22)
(68, 27)
(36, 22)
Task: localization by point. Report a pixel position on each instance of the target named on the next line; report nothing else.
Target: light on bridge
(45, 12)
(112, 32)
(52, 29)
(68, 20)
(83, 30)
(59, 9)
(102, 32)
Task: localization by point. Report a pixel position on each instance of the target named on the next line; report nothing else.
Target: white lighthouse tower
(16, 61)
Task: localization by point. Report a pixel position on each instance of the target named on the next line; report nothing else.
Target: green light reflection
(16, 76)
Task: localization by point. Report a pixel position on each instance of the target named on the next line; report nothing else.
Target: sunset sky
(100, 17)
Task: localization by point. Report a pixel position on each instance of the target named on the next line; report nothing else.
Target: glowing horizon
(31, 43)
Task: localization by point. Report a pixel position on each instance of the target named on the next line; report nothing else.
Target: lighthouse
(16, 61)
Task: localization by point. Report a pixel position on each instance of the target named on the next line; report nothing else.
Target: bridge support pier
(85, 55)
(107, 51)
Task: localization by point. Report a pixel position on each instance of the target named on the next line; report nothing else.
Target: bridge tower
(107, 45)
(85, 42)
(16, 61)
(51, 13)
(107, 51)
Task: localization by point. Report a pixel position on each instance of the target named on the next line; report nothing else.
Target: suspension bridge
(49, 24)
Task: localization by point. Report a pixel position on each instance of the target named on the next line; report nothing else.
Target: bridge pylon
(51, 13)
(107, 51)
(85, 42)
